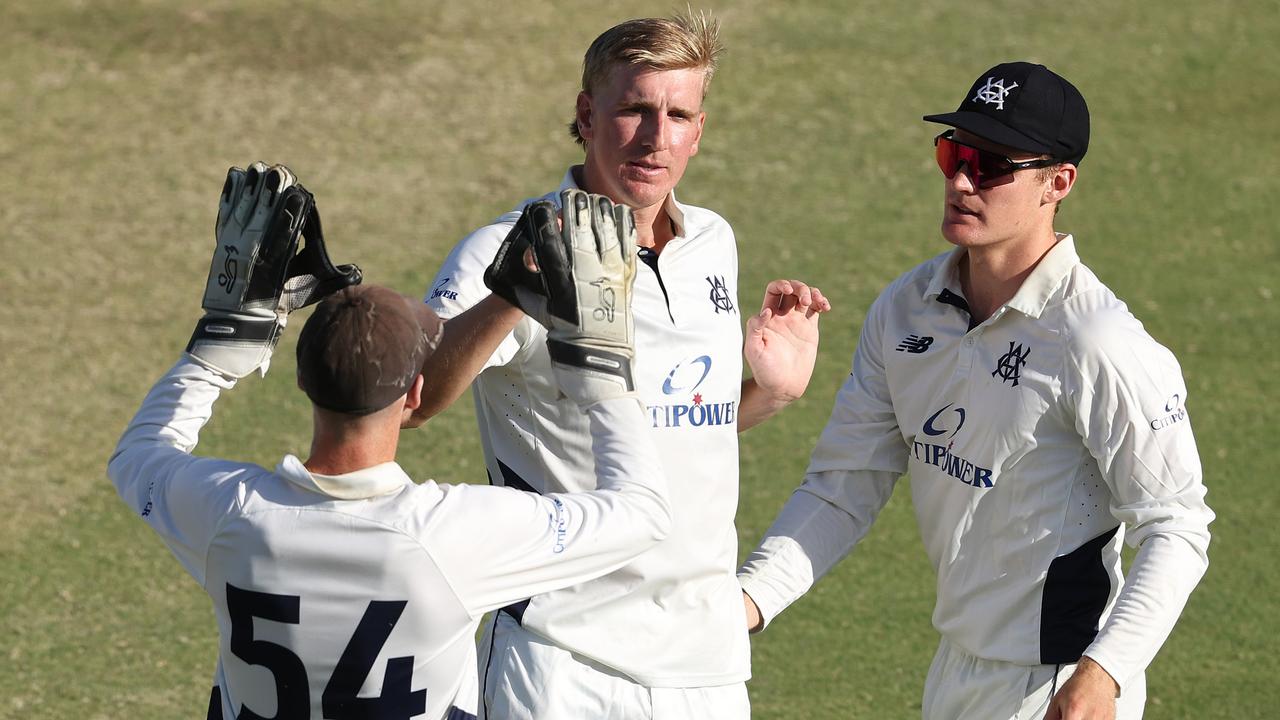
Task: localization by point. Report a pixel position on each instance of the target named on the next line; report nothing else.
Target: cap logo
(994, 92)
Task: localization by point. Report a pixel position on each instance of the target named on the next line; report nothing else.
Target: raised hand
(781, 344)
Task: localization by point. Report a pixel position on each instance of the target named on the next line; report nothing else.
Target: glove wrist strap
(226, 328)
(601, 362)
(235, 346)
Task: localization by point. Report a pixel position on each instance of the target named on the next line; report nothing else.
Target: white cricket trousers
(525, 677)
(963, 687)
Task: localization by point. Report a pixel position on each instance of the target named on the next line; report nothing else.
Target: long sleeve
(459, 285)
(851, 475)
(1164, 572)
(155, 474)
(819, 525)
(521, 544)
(1130, 403)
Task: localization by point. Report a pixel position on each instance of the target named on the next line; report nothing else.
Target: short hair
(363, 347)
(1043, 174)
(684, 42)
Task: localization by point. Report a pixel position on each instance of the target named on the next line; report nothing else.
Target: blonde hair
(690, 41)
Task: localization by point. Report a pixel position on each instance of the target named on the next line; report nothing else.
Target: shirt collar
(1046, 278)
(673, 207)
(1040, 285)
(364, 483)
(945, 275)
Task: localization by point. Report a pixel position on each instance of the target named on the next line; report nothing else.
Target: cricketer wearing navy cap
(1041, 425)
(1027, 107)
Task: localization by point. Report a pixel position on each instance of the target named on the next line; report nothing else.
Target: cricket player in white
(1041, 425)
(342, 589)
(662, 637)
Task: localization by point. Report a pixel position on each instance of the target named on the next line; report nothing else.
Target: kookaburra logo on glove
(604, 311)
(227, 280)
(258, 276)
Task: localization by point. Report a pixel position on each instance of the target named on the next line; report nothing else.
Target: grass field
(413, 122)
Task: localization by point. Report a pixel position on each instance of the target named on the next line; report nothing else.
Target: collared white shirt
(348, 588)
(673, 617)
(1036, 441)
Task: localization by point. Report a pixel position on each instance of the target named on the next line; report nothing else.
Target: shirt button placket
(968, 349)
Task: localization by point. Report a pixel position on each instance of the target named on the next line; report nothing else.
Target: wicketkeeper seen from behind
(343, 589)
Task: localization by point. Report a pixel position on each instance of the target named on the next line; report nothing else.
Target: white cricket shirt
(1036, 441)
(359, 595)
(673, 616)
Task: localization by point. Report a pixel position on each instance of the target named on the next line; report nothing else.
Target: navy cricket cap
(1025, 106)
(362, 348)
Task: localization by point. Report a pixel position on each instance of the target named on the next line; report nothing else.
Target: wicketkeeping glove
(258, 276)
(509, 276)
(581, 290)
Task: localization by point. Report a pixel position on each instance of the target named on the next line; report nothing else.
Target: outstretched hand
(781, 344)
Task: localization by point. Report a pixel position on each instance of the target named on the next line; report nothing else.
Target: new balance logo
(915, 344)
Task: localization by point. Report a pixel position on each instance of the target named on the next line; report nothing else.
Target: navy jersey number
(340, 701)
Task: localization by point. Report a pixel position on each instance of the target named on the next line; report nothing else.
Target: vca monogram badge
(1009, 366)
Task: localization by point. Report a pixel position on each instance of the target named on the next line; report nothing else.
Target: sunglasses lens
(982, 166)
(990, 165)
(947, 155)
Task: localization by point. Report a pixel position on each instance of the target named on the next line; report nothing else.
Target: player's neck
(654, 227)
(991, 275)
(340, 447)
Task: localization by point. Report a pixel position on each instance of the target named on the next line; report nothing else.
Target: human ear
(584, 115)
(702, 121)
(412, 401)
(1060, 184)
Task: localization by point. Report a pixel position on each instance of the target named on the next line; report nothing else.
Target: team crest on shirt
(1009, 366)
(683, 383)
(720, 294)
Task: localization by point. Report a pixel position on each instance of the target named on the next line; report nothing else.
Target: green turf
(413, 122)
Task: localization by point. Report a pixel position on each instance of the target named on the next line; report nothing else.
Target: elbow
(661, 528)
(662, 523)
(124, 474)
(431, 402)
(415, 419)
(116, 467)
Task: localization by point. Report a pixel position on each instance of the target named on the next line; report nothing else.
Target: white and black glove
(576, 279)
(258, 276)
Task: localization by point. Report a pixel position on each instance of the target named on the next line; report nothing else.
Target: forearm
(1164, 572)
(629, 473)
(598, 531)
(470, 338)
(819, 525)
(165, 429)
(530, 544)
(757, 405)
(806, 539)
